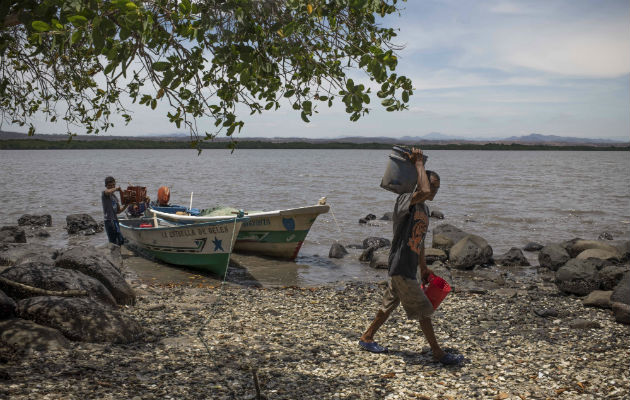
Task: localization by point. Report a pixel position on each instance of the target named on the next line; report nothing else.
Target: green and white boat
(278, 233)
(205, 245)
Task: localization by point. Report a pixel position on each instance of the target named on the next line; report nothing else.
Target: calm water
(509, 198)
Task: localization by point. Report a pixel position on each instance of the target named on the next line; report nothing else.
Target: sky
(480, 69)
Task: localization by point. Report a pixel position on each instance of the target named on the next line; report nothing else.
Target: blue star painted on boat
(217, 244)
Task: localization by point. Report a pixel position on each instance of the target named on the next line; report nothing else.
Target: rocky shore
(302, 344)
(79, 323)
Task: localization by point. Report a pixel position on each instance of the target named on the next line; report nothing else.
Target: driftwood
(42, 292)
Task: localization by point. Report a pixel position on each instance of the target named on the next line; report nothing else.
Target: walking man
(111, 207)
(411, 221)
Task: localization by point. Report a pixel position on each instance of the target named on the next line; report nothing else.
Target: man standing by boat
(111, 208)
(411, 221)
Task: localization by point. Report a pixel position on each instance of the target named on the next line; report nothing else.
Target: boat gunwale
(318, 208)
(200, 223)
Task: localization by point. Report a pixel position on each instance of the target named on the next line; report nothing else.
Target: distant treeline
(37, 144)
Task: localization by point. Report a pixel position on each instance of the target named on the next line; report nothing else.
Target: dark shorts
(408, 292)
(113, 232)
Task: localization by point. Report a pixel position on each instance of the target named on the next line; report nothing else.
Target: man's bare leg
(379, 320)
(427, 329)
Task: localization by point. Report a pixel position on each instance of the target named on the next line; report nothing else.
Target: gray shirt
(110, 206)
(411, 223)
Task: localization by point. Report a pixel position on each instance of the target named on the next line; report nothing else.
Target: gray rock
(27, 336)
(598, 298)
(432, 255)
(605, 236)
(437, 214)
(470, 251)
(12, 234)
(445, 236)
(337, 251)
(35, 220)
(376, 242)
(90, 261)
(580, 323)
(80, 319)
(546, 312)
(514, 257)
(367, 254)
(37, 232)
(387, 216)
(576, 246)
(533, 246)
(602, 254)
(52, 278)
(76, 223)
(7, 306)
(621, 292)
(553, 256)
(624, 250)
(12, 253)
(367, 218)
(380, 259)
(578, 277)
(611, 275)
(622, 312)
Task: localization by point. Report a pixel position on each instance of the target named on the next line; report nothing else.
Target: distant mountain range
(434, 137)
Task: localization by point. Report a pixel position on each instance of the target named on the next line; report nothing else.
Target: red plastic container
(436, 290)
(146, 225)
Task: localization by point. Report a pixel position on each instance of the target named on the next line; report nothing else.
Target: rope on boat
(227, 266)
(254, 370)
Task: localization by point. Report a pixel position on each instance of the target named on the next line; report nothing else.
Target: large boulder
(553, 256)
(578, 277)
(51, 278)
(471, 250)
(7, 306)
(92, 262)
(621, 293)
(376, 242)
(35, 220)
(577, 246)
(26, 336)
(446, 235)
(602, 254)
(12, 234)
(76, 223)
(611, 275)
(81, 319)
(514, 257)
(14, 253)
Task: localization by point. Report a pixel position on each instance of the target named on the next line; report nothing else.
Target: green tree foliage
(80, 60)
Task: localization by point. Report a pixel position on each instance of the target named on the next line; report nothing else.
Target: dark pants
(113, 232)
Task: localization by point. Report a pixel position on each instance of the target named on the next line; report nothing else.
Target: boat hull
(206, 245)
(278, 234)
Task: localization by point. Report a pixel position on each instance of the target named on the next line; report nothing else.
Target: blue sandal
(372, 347)
(451, 359)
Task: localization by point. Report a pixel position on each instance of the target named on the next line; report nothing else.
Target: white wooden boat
(278, 233)
(204, 245)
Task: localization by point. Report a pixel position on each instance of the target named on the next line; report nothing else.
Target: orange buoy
(164, 195)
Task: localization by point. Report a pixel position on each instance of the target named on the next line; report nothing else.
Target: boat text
(195, 231)
(257, 222)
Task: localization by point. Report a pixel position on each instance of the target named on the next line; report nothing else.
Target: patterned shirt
(411, 223)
